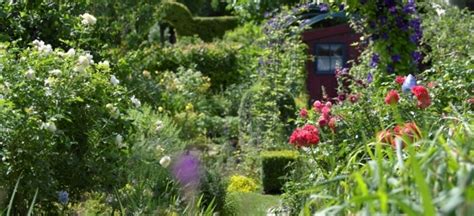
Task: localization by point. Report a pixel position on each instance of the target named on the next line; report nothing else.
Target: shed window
(328, 56)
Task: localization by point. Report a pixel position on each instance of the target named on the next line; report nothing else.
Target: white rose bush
(61, 118)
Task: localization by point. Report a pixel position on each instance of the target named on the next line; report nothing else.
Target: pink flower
(354, 98)
(303, 113)
(400, 80)
(332, 124)
(317, 105)
(392, 97)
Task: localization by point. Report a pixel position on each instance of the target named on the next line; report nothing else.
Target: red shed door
(330, 47)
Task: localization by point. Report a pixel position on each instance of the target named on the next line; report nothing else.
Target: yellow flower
(189, 107)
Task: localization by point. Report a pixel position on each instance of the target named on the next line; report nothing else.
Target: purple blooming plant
(370, 78)
(374, 61)
(396, 58)
(187, 171)
(63, 197)
(323, 7)
(416, 56)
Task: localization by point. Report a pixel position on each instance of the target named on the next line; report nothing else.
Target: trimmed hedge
(207, 28)
(275, 166)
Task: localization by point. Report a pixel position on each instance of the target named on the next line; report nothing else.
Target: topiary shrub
(207, 28)
(275, 166)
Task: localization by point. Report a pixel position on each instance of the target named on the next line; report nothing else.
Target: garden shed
(329, 41)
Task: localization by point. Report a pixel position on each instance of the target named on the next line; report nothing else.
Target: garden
(236, 107)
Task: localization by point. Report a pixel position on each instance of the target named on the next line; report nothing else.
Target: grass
(250, 204)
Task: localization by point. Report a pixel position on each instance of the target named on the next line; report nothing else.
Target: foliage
(266, 107)
(57, 23)
(207, 28)
(450, 53)
(251, 10)
(240, 183)
(276, 166)
(64, 124)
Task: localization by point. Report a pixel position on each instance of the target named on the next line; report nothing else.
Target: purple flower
(341, 7)
(374, 61)
(390, 68)
(416, 56)
(396, 58)
(187, 171)
(63, 197)
(393, 9)
(370, 78)
(410, 7)
(385, 36)
(323, 7)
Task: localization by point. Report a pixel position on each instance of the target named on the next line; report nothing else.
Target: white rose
(55, 72)
(71, 52)
(88, 19)
(50, 126)
(135, 101)
(115, 81)
(165, 161)
(30, 74)
(104, 64)
(159, 125)
(119, 140)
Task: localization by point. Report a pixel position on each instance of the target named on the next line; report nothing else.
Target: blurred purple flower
(187, 171)
(410, 7)
(63, 197)
(341, 7)
(416, 56)
(374, 61)
(370, 78)
(323, 7)
(390, 68)
(396, 58)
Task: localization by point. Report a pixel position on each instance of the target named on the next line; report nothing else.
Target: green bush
(213, 190)
(64, 125)
(207, 28)
(276, 166)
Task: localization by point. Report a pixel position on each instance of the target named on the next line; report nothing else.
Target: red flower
(385, 137)
(354, 98)
(303, 113)
(400, 79)
(422, 95)
(392, 97)
(409, 130)
(306, 136)
(322, 121)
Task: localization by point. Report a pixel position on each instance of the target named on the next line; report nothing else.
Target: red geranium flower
(422, 96)
(392, 97)
(306, 136)
(400, 79)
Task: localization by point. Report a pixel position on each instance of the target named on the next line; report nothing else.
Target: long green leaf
(10, 205)
(30, 210)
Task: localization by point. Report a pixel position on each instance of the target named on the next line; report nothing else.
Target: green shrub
(240, 183)
(207, 28)
(213, 190)
(276, 165)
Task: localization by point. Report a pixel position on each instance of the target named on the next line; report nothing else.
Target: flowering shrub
(63, 124)
(240, 183)
(305, 136)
